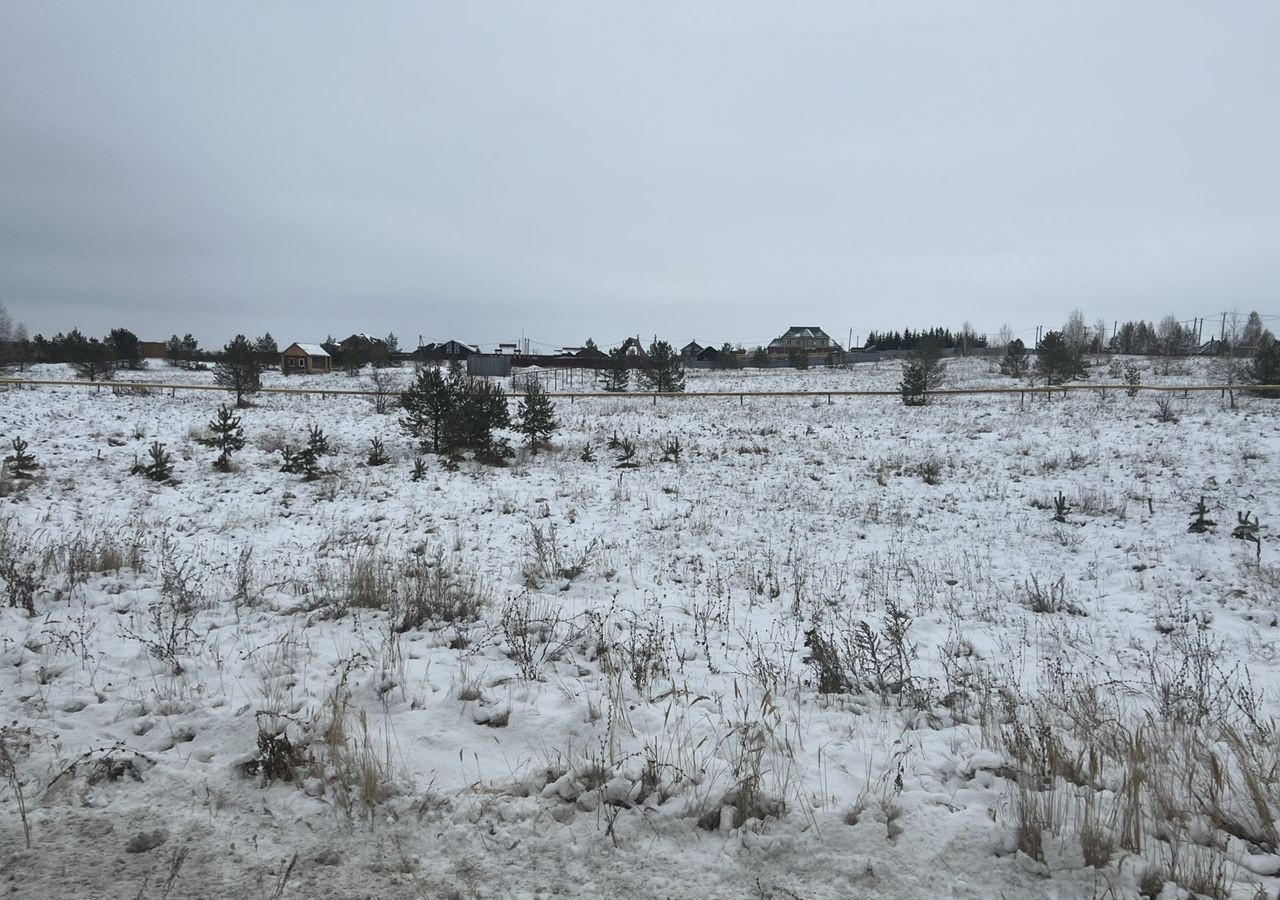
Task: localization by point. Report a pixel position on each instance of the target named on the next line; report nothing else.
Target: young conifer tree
(228, 437)
(536, 416)
(617, 377)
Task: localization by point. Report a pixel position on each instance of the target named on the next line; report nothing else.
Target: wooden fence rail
(1186, 390)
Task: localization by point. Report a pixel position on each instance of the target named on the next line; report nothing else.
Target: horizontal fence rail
(654, 395)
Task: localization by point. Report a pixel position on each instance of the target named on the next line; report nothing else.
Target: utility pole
(1224, 327)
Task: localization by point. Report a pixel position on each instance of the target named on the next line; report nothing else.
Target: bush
(437, 591)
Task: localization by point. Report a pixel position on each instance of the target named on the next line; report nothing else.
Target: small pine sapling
(1247, 530)
(614, 442)
(1202, 522)
(228, 437)
(1132, 378)
(22, 464)
(536, 416)
(588, 454)
(419, 469)
(671, 449)
(377, 453)
(317, 441)
(915, 382)
(159, 469)
(300, 462)
(1060, 508)
(627, 454)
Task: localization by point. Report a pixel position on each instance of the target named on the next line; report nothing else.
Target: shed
(303, 359)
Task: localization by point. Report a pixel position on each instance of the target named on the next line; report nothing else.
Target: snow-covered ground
(834, 650)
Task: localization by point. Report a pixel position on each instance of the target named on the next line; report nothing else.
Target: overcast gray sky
(708, 170)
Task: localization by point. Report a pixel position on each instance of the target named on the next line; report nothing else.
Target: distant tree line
(935, 338)
(91, 357)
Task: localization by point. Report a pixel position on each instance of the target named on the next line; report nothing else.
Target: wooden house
(304, 359)
(803, 339)
(446, 350)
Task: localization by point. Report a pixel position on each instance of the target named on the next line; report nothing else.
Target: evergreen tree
(479, 408)
(267, 349)
(1264, 368)
(1057, 361)
(760, 358)
(1252, 334)
(160, 468)
(924, 367)
(536, 416)
(22, 464)
(125, 349)
(90, 358)
(427, 404)
(387, 352)
(914, 382)
(728, 358)
(228, 437)
(1015, 362)
(663, 371)
(239, 370)
(181, 349)
(617, 377)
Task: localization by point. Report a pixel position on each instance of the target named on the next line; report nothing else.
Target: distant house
(362, 343)
(691, 350)
(304, 359)
(803, 339)
(708, 354)
(507, 349)
(446, 350)
(151, 349)
(632, 347)
(590, 353)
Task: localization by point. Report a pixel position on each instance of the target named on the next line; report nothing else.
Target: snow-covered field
(834, 650)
